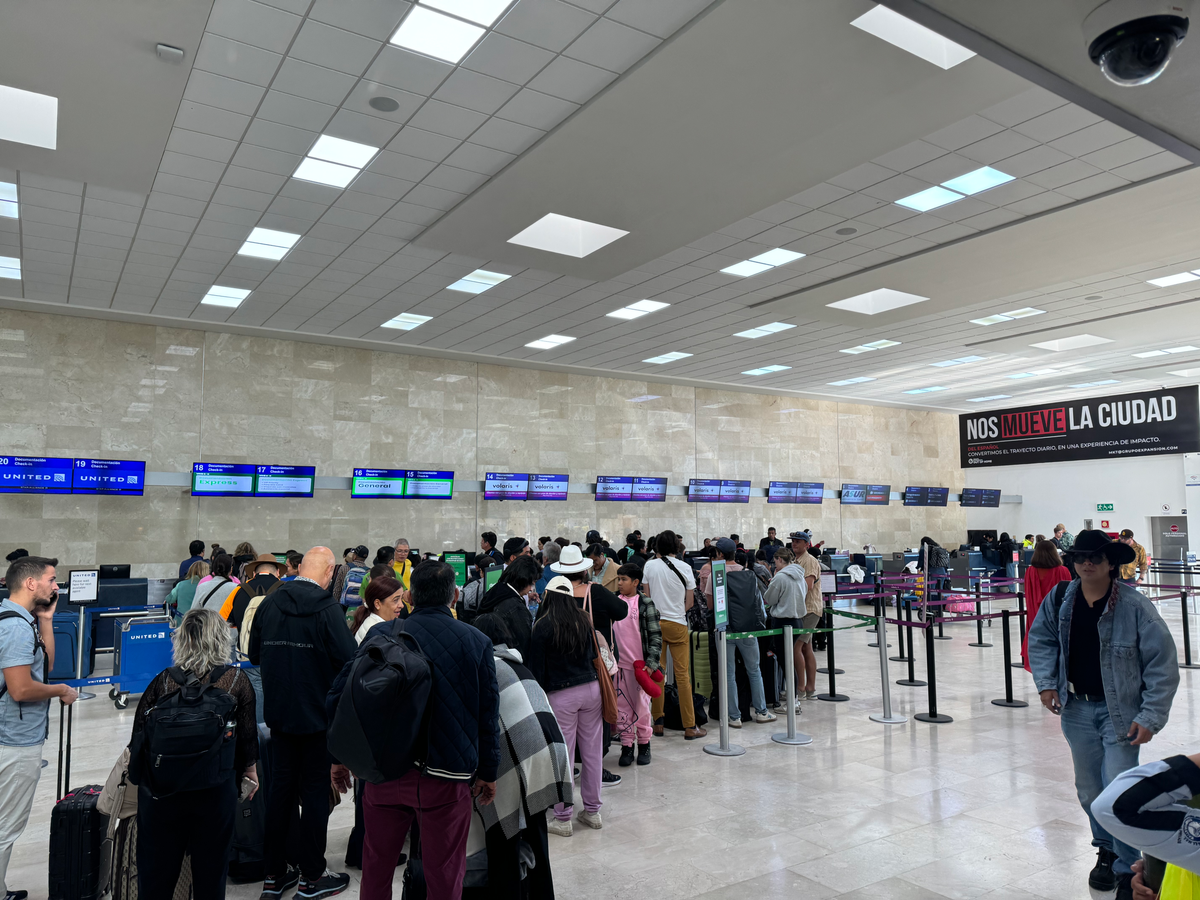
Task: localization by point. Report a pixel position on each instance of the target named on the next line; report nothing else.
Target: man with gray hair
(401, 564)
(26, 657)
(550, 554)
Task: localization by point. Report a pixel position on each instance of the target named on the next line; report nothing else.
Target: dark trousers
(504, 863)
(195, 822)
(300, 773)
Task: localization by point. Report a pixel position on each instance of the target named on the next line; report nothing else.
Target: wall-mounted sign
(1144, 424)
(1104, 507)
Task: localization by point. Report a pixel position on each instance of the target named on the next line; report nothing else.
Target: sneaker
(576, 773)
(559, 827)
(609, 779)
(274, 887)
(590, 819)
(1101, 877)
(735, 723)
(20, 895)
(328, 885)
(765, 716)
(643, 757)
(810, 695)
(626, 756)
(1124, 887)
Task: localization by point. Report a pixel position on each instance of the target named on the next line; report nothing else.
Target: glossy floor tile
(983, 807)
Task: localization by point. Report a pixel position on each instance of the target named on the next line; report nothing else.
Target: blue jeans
(749, 649)
(1099, 757)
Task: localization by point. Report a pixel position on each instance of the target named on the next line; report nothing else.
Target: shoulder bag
(608, 692)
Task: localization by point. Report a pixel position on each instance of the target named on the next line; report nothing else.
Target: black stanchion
(1020, 664)
(900, 630)
(1008, 664)
(979, 641)
(825, 669)
(832, 671)
(940, 636)
(932, 717)
(1187, 635)
(911, 680)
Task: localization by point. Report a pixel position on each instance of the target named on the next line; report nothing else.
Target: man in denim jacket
(1104, 660)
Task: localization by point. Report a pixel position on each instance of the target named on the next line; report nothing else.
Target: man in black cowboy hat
(1103, 659)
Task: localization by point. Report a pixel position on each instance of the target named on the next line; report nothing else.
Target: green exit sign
(1104, 507)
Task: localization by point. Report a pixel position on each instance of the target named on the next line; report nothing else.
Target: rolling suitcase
(77, 834)
(247, 856)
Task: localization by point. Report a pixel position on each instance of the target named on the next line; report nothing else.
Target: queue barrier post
(932, 717)
(79, 636)
(792, 736)
(832, 670)
(886, 717)
(903, 657)
(724, 748)
(941, 636)
(1187, 634)
(828, 667)
(876, 602)
(979, 641)
(911, 680)
(1020, 664)
(1008, 664)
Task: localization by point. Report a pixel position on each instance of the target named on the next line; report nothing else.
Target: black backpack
(187, 741)
(743, 600)
(379, 727)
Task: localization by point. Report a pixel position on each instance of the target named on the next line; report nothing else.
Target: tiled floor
(982, 807)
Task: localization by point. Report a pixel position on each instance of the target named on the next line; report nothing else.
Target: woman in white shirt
(383, 601)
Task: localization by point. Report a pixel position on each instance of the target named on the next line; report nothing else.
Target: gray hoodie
(785, 593)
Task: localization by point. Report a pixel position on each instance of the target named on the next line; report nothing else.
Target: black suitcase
(77, 835)
(247, 856)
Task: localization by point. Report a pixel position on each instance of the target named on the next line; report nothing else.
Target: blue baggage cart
(143, 650)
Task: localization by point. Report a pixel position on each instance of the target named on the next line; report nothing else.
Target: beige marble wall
(76, 386)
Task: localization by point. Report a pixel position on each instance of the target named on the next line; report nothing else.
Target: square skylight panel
(569, 237)
(764, 330)
(268, 244)
(10, 267)
(746, 269)
(980, 180)
(550, 341)
(8, 200)
(343, 152)
(845, 381)
(433, 34)
(1172, 280)
(636, 310)
(877, 301)
(481, 12)
(224, 296)
(28, 118)
(767, 370)
(667, 357)
(1075, 342)
(930, 198)
(478, 281)
(406, 321)
(322, 172)
(916, 39)
(777, 257)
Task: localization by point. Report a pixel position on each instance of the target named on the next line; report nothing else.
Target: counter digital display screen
(627, 487)
(866, 494)
(795, 492)
(980, 497)
(505, 486)
(284, 481)
(222, 480)
(109, 476)
(926, 496)
(428, 484)
(548, 487)
(711, 490)
(652, 490)
(377, 484)
(35, 475)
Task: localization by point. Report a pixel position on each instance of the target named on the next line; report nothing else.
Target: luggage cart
(144, 650)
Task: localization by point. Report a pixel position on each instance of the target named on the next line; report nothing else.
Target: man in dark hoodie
(507, 600)
(300, 641)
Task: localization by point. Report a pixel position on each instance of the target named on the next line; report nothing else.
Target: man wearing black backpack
(300, 641)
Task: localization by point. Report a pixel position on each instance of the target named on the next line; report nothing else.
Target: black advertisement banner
(1145, 424)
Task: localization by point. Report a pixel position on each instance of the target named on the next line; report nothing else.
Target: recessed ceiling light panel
(637, 310)
(433, 34)
(346, 153)
(478, 281)
(877, 301)
(321, 172)
(1075, 342)
(846, 381)
(8, 200)
(926, 390)
(481, 12)
(1172, 280)
(28, 118)
(567, 236)
(764, 330)
(916, 39)
(550, 341)
(992, 397)
(406, 321)
(746, 269)
(266, 243)
(767, 370)
(764, 261)
(10, 267)
(978, 181)
(930, 198)
(224, 296)
(667, 357)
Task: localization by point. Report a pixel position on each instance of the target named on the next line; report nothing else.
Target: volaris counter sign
(1143, 424)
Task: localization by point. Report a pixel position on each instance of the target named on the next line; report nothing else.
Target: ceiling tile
(372, 18)
(266, 160)
(313, 82)
(454, 179)
(546, 23)
(381, 185)
(369, 130)
(191, 166)
(1033, 102)
(234, 59)
(1094, 137)
(537, 110)
(611, 46)
(209, 120)
(479, 159)
(1057, 123)
(1089, 187)
(500, 134)
(401, 166)
(1033, 160)
(472, 90)
(966, 131)
(909, 156)
(1150, 166)
(204, 146)
(446, 119)
(572, 80)
(254, 179)
(280, 137)
(360, 98)
(253, 23)
(1064, 173)
(298, 112)
(334, 48)
(506, 58)
(1122, 153)
(403, 69)
(662, 18)
(422, 144)
(182, 186)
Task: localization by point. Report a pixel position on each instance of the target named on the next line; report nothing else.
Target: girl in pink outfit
(639, 645)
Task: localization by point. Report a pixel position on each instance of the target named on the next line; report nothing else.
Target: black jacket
(505, 602)
(607, 608)
(300, 640)
(553, 671)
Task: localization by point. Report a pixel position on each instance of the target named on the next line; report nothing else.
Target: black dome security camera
(1132, 40)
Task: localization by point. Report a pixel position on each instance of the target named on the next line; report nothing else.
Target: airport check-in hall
(593, 448)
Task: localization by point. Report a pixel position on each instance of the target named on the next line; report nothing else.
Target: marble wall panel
(175, 396)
